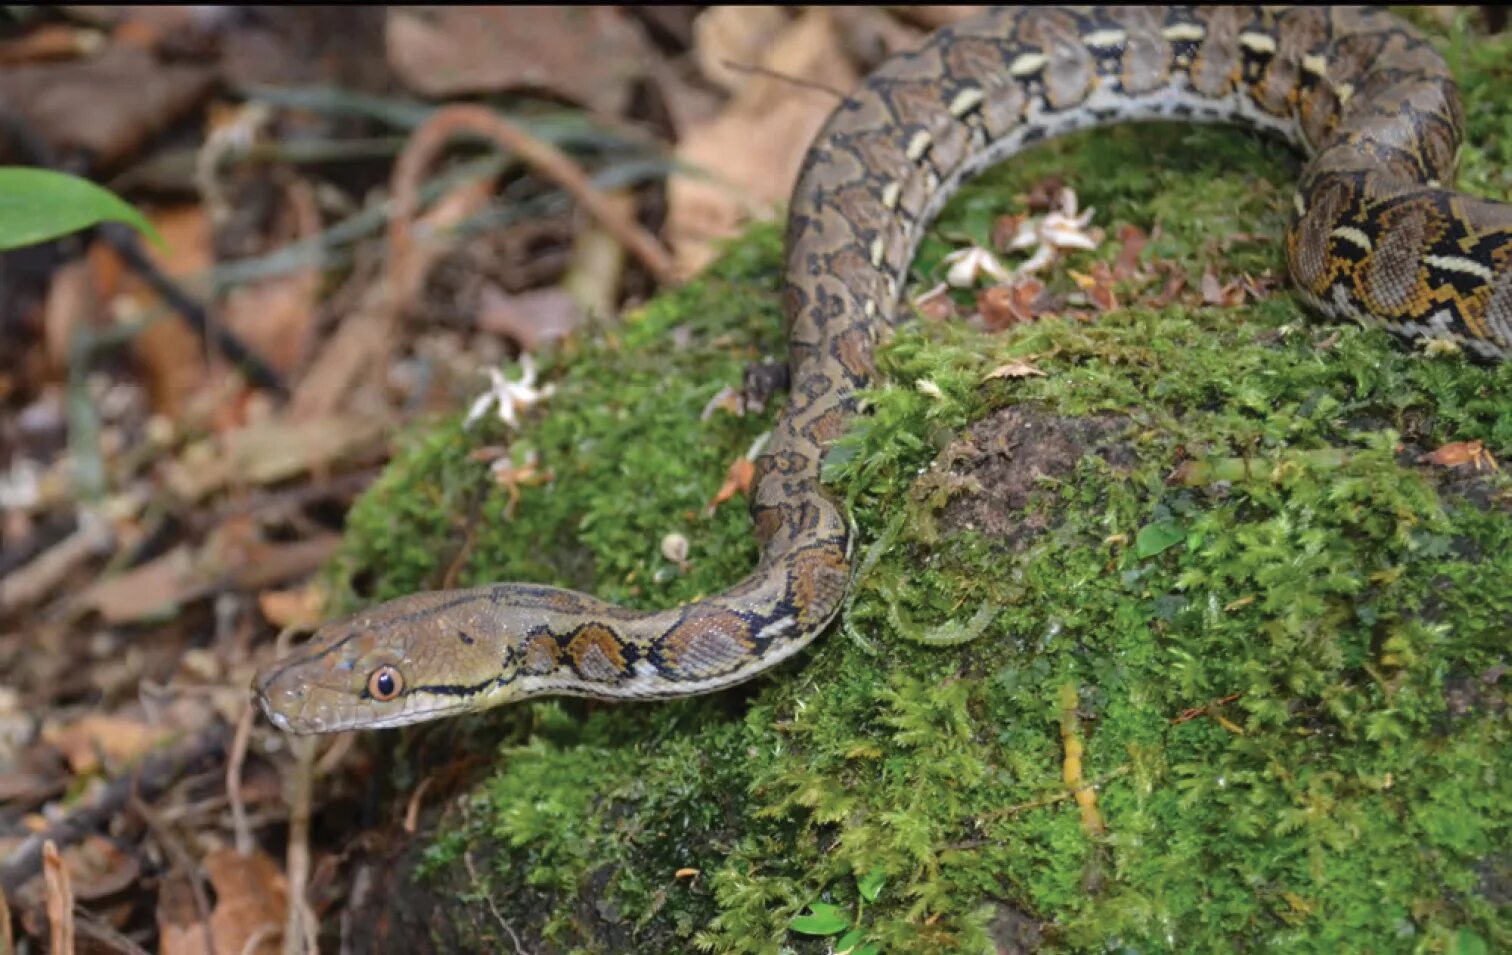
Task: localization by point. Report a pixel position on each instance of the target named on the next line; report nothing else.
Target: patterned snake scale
(1375, 237)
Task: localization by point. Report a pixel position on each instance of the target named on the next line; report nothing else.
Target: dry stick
(300, 928)
(179, 859)
(157, 772)
(544, 158)
(60, 916)
(242, 833)
(782, 77)
(7, 941)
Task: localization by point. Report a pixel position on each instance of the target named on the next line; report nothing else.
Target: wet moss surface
(1200, 556)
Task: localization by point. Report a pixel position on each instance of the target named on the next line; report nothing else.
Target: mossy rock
(1211, 556)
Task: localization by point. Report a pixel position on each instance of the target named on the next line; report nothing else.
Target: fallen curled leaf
(49, 41)
(1460, 453)
(1175, 282)
(275, 316)
(251, 899)
(754, 147)
(737, 481)
(1097, 283)
(172, 356)
(1006, 228)
(1003, 306)
(60, 900)
(90, 739)
(588, 54)
(1045, 194)
(1226, 295)
(1132, 241)
(531, 318)
(936, 305)
(302, 607)
(106, 105)
(1013, 369)
(726, 38)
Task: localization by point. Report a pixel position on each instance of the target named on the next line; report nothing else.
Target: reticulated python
(1375, 237)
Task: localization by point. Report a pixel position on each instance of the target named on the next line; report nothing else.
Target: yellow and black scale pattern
(1376, 237)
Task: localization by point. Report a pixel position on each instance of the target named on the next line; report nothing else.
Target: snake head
(408, 660)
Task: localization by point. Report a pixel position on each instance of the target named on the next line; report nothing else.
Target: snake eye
(385, 683)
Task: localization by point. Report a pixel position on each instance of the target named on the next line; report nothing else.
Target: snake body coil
(1375, 237)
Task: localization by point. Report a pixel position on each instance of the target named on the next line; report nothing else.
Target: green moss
(1348, 604)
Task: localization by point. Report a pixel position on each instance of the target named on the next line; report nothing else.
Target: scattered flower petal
(967, 266)
(1013, 369)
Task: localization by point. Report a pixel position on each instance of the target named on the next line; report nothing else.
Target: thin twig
(179, 859)
(156, 774)
(544, 158)
(299, 928)
(242, 833)
(472, 873)
(782, 77)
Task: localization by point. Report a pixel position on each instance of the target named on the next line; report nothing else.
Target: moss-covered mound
(1177, 647)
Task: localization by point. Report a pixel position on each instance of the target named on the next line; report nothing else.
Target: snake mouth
(297, 714)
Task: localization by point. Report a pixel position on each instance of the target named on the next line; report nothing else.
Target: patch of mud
(1002, 463)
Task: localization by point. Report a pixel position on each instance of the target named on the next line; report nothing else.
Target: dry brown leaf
(737, 481)
(72, 302)
(251, 897)
(728, 38)
(755, 146)
(49, 41)
(1460, 453)
(363, 338)
(588, 54)
(155, 587)
(269, 451)
(235, 555)
(106, 105)
(1002, 306)
(936, 305)
(96, 736)
(1174, 284)
(275, 316)
(172, 356)
(1132, 240)
(302, 607)
(1227, 295)
(180, 931)
(1097, 283)
(1014, 369)
(60, 902)
(934, 16)
(530, 318)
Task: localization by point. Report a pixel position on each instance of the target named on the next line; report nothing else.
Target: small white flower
(511, 396)
(1064, 228)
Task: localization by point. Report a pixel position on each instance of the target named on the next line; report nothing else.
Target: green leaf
(1467, 942)
(870, 948)
(870, 885)
(849, 941)
(821, 919)
(1154, 538)
(39, 204)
